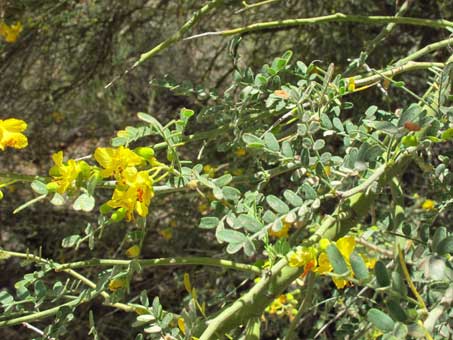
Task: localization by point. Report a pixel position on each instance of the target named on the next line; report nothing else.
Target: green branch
(425, 50)
(409, 66)
(338, 17)
(175, 261)
(177, 36)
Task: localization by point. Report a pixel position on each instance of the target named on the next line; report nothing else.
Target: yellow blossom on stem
(240, 152)
(10, 33)
(428, 205)
(116, 284)
(166, 233)
(283, 232)
(10, 134)
(303, 256)
(133, 251)
(136, 195)
(65, 174)
(116, 160)
(209, 170)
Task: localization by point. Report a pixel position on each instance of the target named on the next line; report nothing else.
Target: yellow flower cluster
(65, 174)
(10, 33)
(315, 259)
(285, 304)
(134, 189)
(10, 134)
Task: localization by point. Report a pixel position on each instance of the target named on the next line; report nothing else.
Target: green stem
(387, 29)
(409, 66)
(175, 261)
(425, 50)
(38, 315)
(180, 33)
(338, 17)
(308, 293)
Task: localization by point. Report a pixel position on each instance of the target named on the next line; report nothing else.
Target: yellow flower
(240, 152)
(137, 194)
(133, 251)
(10, 134)
(115, 161)
(346, 246)
(429, 205)
(370, 262)
(182, 325)
(203, 208)
(351, 84)
(65, 175)
(283, 232)
(323, 243)
(116, 284)
(209, 170)
(10, 33)
(324, 265)
(238, 172)
(166, 233)
(303, 256)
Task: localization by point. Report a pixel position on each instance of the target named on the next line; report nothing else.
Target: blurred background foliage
(54, 77)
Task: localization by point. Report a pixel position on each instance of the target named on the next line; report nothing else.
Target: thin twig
(36, 330)
(338, 17)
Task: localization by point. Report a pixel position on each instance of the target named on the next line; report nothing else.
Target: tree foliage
(236, 170)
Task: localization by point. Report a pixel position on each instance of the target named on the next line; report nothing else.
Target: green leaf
(445, 246)
(337, 124)
(231, 236)
(396, 312)
(271, 142)
(309, 192)
(223, 180)
(287, 150)
(277, 204)
(359, 266)
(231, 194)
(398, 283)
(233, 248)
(325, 121)
(209, 222)
(57, 199)
(400, 331)
(336, 260)
(252, 141)
(380, 320)
(411, 114)
(249, 248)
(382, 275)
(292, 198)
(249, 223)
(371, 110)
(383, 126)
(185, 114)
(447, 134)
(39, 187)
(70, 241)
(152, 121)
(84, 202)
(319, 144)
(439, 235)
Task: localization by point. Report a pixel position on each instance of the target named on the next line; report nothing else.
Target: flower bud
(145, 152)
(52, 186)
(118, 215)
